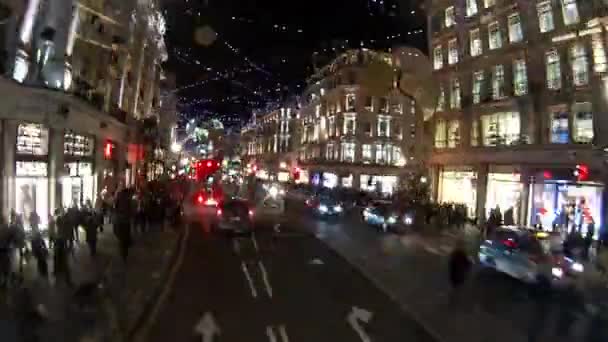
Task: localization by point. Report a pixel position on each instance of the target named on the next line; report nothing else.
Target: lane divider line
(283, 333)
(236, 246)
(255, 242)
(254, 293)
(270, 333)
(265, 278)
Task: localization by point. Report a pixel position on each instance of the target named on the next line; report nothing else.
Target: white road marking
(283, 333)
(265, 278)
(277, 228)
(316, 261)
(255, 242)
(207, 328)
(270, 333)
(359, 315)
(254, 293)
(272, 336)
(237, 246)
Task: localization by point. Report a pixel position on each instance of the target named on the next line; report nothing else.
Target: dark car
(235, 216)
(388, 216)
(325, 206)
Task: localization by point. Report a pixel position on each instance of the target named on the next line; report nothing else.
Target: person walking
(122, 224)
(73, 216)
(588, 240)
(459, 268)
(40, 252)
(6, 243)
(64, 235)
(52, 230)
(20, 241)
(90, 228)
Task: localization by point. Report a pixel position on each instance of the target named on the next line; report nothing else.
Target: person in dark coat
(60, 256)
(40, 252)
(90, 227)
(122, 225)
(459, 269)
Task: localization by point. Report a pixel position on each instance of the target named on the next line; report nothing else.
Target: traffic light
(582, 172)
(108, 150)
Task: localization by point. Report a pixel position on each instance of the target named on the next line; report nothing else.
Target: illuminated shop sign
(78, 145)
(31, 169)
(32, 139)
(76, 169)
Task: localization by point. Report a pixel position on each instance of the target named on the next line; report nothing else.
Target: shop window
(384, 123)
(516, 33)
(440, 134)
(441, 99)
(570, 12)
(452, 51)
(495, 35)
(350, 124)
(78, 145)
(498, 82)
(366, 153)
(559, 127)
(553, 70)
(459, 187)
(501, 129)
(453, 133)
(582, 123)
(450, 16)
(520, 77)
(478, 80)
(475, 132)
(471, 8)
(475, 42)
(348, 152)
(437, 57)
(600, 62)
(455, 94)
(32, 139)
(545, 16)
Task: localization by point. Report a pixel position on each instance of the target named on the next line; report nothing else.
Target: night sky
(264, 48)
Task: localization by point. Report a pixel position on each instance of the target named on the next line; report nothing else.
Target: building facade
(72, 89)
(361, 127)
(519, 121)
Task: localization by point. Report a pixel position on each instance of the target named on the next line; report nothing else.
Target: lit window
(437, 58)
(582, 123)
(350, 124)
(397, 157)
(475, 40)
(515, 30)
(500, 128)
(383, 153)
(413, 107)
(331, 130)
(450, 16)
(600, 62)
(478, 77)
(545, 16)
(471, 8)
(350, 102)
(453, 133)
(520, 77)
(366, 153)
(441, 140)
(580, 64)
(495, 36)
(559, 127)
(455, 94)
(498, 82)
(570, 12)
(329, 151)
(475, 132)
(348, 152)
(384, 126)
(489, 3)
(554, 71)
(453, 51)
(441, 99)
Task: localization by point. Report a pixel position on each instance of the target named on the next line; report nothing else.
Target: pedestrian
(90, 228)
(40, 252)
(20, 240)
(122, 224)
(34, 220)
(459, 269)
(588, 241)
(6, 242)
(64, 235)
(52, 230)
(73, 216)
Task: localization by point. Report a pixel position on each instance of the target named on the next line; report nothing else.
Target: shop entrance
(32, 191)
(504, 192)
(459, 187)
(77, 188)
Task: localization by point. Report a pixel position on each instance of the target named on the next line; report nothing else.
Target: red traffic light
(108, 150)
(582, 172)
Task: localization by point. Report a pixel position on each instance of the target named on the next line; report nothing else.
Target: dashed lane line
(254, 292)
(265, 279)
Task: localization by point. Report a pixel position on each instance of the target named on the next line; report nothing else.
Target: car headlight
(408, 220)
(578, 267)
(338, 208)
(273, 191)
(392, 220)
(322, 208)
(557, 272)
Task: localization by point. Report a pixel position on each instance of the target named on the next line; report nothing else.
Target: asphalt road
(277, 285)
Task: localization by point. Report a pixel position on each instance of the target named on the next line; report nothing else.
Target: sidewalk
(128, 289)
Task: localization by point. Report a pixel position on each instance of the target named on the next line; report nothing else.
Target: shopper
(90, 228)
(40, 252)
(61, 249)
(459, 269)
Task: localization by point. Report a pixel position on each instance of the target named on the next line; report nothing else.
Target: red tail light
(219, 212)
(509, 243)
(251, 212)
(200, 199)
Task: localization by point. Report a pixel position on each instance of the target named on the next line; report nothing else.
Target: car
(234, 216)
(526, 254)
(386, 216)
(199, 206)
(324, 206)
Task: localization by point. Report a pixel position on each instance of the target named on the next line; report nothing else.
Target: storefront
(77, 183)
(31, 172)
(504, 192)
(458, 186)
(330, 180)
(386, 185)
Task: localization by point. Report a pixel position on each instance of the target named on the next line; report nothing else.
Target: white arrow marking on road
(207, 327)
(265, 278)
(354, 317)
(254, 293)
(255, 243)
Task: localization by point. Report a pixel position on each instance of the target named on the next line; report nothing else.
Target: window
(582, 123)
(441, 134)
(475, 132)
(441, 99)
(475, 41)
(369, 103)
(545, 16)
(368, 129)
(580, 64)
(396, 107)
(350, 102)
(471, 8)
(477, 86)
(383, 105)
(78, 145)
(366, 153)
(489, 3)
(570, 12)
(520, 77)
(559, 126)
(495, 36)
(350, 124)
(453, 133)
(554, 71)
(384, 126)
(348, 152)
(600, 62)
(450, 17)
(383, 153)
(455, 94)
(500, 128)
(453, 51)
(397, 131)
(498, 82)
(437, 58)
(329, 151)
(515, 30)
(331, 126)
(32, 139)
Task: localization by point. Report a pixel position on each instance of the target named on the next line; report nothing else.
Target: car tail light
(251, 212)
(200, 199)
(219, 212)
(509, 243)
